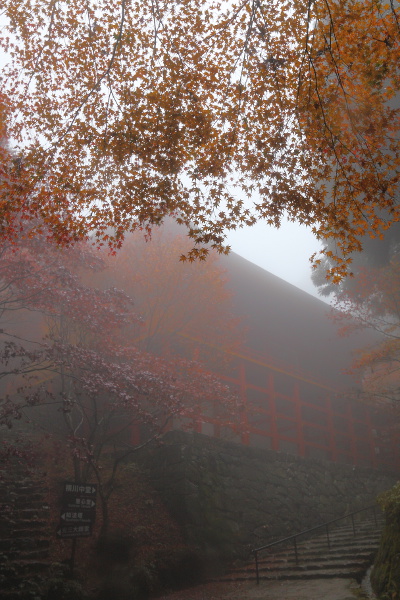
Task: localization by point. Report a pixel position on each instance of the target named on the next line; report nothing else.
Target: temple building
(291, 376)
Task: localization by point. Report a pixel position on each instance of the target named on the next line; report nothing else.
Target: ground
(322, 589)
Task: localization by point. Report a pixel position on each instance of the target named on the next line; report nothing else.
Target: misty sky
(284, 252)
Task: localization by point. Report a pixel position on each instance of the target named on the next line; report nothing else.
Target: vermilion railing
(310, 419)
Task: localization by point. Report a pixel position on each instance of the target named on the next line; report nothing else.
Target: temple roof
(290, 325)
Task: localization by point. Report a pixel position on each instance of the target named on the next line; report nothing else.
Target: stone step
(335, 541)
(35, 501)
(28, 533)
(305, 555)
(32, 513)
(346, 533)
(31, 543)
(41, 512)
(28, 495)
(351, 543)
(12, 580)
(347, 555)
(312, 558)
(290, 560)
(321, 546)
(314, 564)
(340, 573)
(30, 555)
(29, 524)
(23, 567)
(26, 485)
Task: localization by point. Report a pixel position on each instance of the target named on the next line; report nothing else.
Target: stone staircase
(24, 535)
(349, 556)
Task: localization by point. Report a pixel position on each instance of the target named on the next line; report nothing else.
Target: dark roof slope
(289, 324)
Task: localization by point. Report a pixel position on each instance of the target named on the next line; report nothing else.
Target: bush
(64, 589)
(385, 575)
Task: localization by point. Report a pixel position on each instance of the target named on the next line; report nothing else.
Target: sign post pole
(72, 557)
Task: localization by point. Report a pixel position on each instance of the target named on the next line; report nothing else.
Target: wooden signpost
(78, 513)
(78, 510)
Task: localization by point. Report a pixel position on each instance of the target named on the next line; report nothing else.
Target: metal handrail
(294, 537)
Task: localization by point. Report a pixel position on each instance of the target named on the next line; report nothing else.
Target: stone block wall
(230, 498)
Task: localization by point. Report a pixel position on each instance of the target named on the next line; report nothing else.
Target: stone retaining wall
(24, 533)
(229, 498)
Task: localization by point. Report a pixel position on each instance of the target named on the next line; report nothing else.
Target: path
(316, 589)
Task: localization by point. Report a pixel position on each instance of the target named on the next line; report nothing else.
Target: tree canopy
(217, 113)
(376, 253)
(373, 304)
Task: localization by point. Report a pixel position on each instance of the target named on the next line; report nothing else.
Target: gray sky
(285, 252)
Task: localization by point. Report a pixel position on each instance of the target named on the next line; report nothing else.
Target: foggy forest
(177, 422)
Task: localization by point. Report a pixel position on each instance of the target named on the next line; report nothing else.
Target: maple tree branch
(358, 135)
(53, 5)
(392, 8)
(134, 449)
(227, 22)
(105, 74)
(17, 337)
(155, 12)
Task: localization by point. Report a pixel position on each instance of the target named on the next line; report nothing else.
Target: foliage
(184, 306)
(374, 304)
(385, 576)
(390, 502)
(376, 254)
(217, 114)
(100, 385)
(16, 450)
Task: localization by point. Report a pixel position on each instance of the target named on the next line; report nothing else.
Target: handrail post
(375, 519)
(352, 522)
(327, 536)
(257, 573)
(295, 550)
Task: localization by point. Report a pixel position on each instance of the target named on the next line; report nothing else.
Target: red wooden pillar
(371, 439)
(272, 407)
(243, 397)
(352, 437)
(331, 431)
(299, 420)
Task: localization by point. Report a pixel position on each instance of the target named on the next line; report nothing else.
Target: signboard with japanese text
(78, 510)
(83, 489)
(77, 516)
(74, 531)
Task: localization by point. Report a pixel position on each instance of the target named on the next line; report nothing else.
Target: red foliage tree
(101, 385)
(185, 306)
